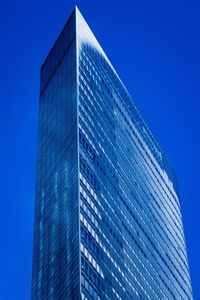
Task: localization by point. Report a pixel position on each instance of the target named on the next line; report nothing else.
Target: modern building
(108, 223)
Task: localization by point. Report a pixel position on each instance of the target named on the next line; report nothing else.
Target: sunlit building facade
(107, 215)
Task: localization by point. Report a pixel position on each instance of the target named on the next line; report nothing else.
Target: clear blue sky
(155, 48)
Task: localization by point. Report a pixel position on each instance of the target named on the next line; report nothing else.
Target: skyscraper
(107, 215)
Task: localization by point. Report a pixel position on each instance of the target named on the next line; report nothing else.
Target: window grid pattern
(56, 271)
(140, 233)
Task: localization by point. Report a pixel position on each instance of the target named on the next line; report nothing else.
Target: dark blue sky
(155, 48)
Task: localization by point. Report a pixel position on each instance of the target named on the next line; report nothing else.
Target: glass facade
(107, 215)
